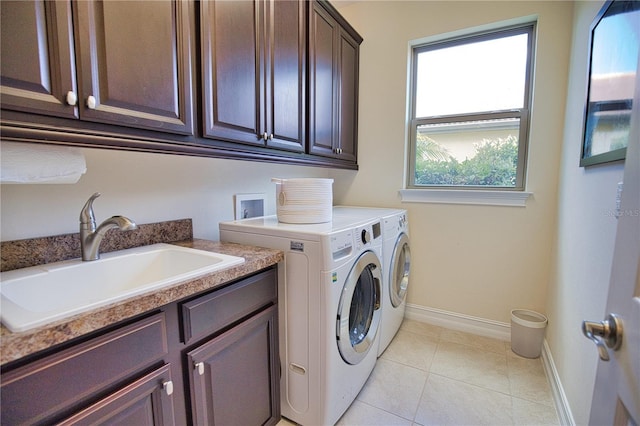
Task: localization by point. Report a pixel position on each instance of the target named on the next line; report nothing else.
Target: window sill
(462, 196)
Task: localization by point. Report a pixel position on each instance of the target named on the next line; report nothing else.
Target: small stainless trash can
(527, 332)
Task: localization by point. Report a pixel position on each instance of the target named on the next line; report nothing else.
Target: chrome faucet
(91, 236)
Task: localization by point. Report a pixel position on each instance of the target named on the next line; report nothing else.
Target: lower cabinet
(211, 359)
(62, 384)
(237, 369)
(147, 401)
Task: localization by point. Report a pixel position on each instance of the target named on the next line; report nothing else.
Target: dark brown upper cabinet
(253, 72)
(333, 84)
(134, 63)
(37, 70)
(128, 63)
(260, 80)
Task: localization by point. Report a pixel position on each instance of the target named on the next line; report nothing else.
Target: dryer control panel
(395, 224)
(367, 234)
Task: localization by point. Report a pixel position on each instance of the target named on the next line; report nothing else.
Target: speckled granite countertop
(17, 345)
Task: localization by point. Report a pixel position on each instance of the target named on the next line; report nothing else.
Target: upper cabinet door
(37, 67)
(348, 51)
(333, 84)
(253, 71)
(231, 71)
(134, 66)
(286, 58)
(323, 82)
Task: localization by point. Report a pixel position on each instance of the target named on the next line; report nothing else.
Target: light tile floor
(430, 375)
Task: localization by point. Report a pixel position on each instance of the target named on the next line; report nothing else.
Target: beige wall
(145, 187)
(474, 260)
(579, 281)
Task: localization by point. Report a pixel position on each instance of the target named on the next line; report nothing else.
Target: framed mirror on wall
(613, 69)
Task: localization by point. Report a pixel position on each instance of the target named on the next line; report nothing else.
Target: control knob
(365, 236)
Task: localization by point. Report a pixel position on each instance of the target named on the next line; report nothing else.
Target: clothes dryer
(396, 264)
(329, 305)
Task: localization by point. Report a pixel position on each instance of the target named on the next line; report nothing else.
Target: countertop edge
(14, 346)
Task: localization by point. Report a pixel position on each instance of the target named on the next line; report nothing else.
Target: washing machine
(396, 264)
(329, 304)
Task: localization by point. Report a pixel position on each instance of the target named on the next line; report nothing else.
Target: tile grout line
(439, 339)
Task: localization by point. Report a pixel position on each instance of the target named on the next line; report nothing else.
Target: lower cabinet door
(235, 376)
(147, 401)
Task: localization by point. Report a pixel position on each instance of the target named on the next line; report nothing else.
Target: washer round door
(359, 308)
(399, 271)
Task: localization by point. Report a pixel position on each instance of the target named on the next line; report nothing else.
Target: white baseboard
(497, 330)
(455, 321)
(565, 416)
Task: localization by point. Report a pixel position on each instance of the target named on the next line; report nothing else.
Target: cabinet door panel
(348, 103)
(285, 113)
(230, 70)
(333, 74)
(323, 89)
(37, 67)
(239, 369)
(135, 62)
(143, 402)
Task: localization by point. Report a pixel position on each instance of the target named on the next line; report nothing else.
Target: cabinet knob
(271, 137)
(200, 367)
(338, 150)
(71, 98)
(168, 387)
(265, 136)
(91, 102)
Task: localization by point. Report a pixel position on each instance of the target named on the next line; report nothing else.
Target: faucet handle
(86, 214)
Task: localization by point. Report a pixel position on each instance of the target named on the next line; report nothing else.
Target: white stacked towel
(39, 163)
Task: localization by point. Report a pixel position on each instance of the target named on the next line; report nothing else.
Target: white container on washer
(304, 200)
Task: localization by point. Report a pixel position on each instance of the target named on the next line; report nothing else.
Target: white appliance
(396, 265)
(329, 300)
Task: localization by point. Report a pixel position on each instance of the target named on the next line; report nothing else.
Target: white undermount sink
(38, 295)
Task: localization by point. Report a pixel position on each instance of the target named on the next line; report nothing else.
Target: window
(470, 111)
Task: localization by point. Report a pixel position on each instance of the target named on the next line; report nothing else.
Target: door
(359, 310)
(254, 55)
(37, 67)
(347, 102)
(134, 66)
(399, 274)
(147, 401)
(616, 399)
(323, 77)
(230, 39)
(285, 56)
(333, 86)
(234, 377)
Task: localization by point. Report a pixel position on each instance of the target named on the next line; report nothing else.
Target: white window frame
(467, 194)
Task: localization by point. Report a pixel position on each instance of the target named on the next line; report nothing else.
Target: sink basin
(38, 295)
